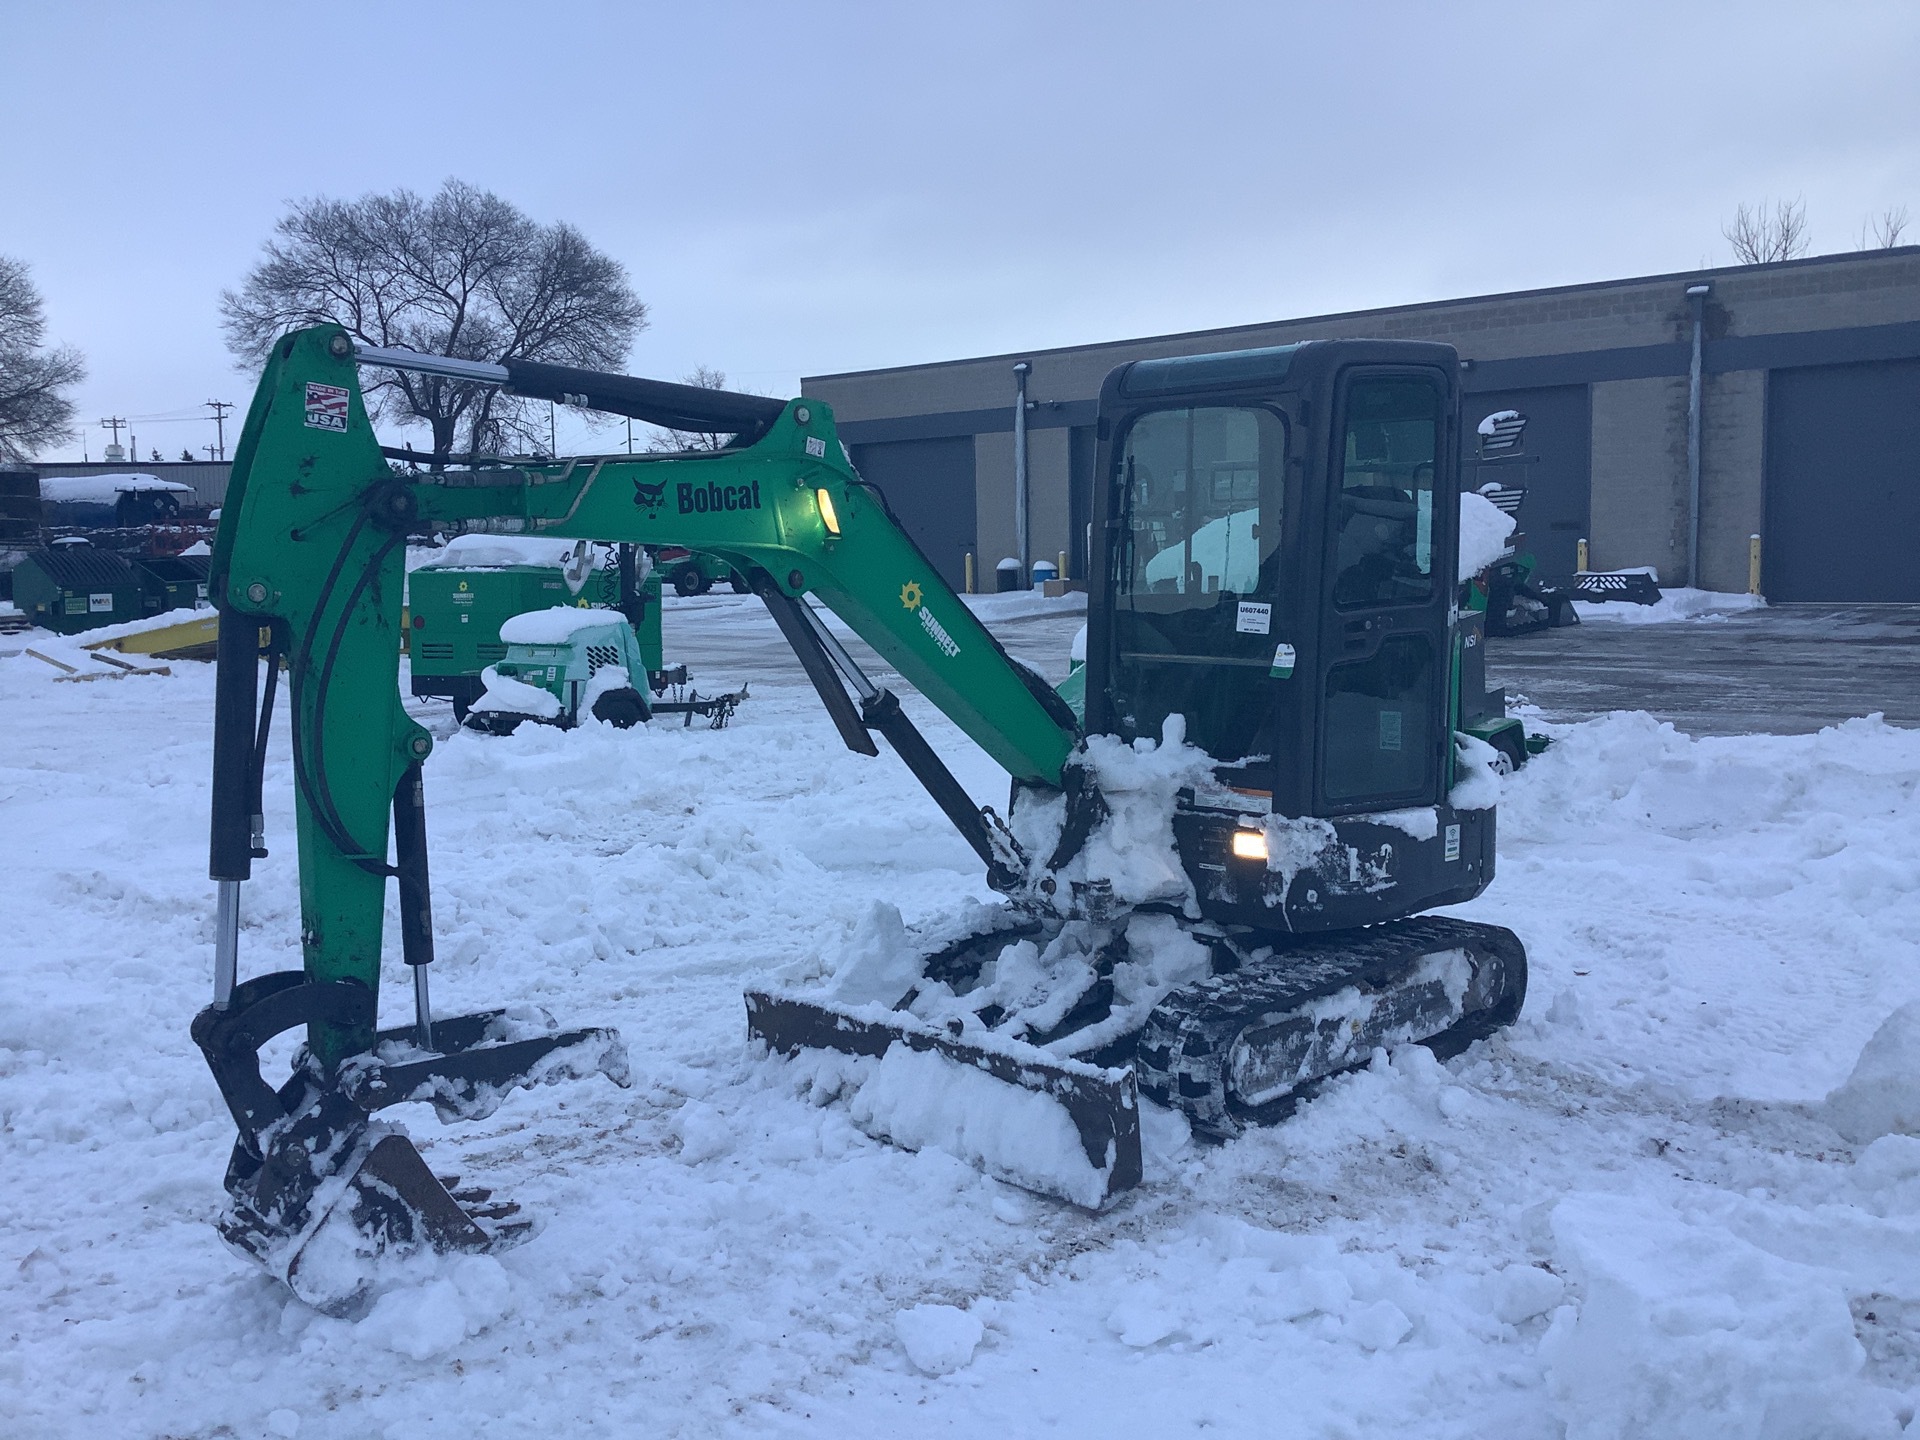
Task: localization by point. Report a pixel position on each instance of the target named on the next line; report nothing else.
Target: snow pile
(508, 696)
(497, 552)
(1882, 1095)
(554, 626)
(427, 1320)
(165, 620)
(1682, 602)
(1131, 848)
(938, 1339)
(1484, 532)
(921, 1100)
(1689, 1330)
(103, 489)
(1022, 604)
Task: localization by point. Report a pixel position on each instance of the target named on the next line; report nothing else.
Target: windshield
(1195, 625)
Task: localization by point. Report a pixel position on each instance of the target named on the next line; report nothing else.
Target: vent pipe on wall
(1697, 295)
(1020, 543)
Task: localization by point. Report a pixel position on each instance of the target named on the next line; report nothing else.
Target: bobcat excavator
(1220, 842)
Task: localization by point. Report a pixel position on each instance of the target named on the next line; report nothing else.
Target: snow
(1882, 1095)
(938, 1339)
(495, 552)
(509, 696)
(1491, 424)
(1485, 530)
(1718, 927)
(165, 620)
(103, 489)
(1679, 603)
(1685, 1329)
(554, 626)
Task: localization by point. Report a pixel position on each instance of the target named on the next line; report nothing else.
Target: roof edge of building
(1674, 276)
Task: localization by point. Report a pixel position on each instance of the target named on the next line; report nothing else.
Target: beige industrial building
(1808, 424)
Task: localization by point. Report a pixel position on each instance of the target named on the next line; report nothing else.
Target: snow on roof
(103, 489)
(555, 626)
(496, 552)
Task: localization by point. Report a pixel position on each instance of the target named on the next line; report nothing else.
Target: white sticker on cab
(1254, 618)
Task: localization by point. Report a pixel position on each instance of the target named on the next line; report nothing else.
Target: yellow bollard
(1753, 564)
(1580, 558)
(970, 572)
(1062, 571)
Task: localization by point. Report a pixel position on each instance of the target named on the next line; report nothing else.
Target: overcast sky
(804, 188)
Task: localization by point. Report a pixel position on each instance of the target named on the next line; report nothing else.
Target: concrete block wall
(1639, 499)
(1047, 497)
(1733, 413)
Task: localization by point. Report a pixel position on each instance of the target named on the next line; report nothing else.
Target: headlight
(1250, 845)
(827, 515)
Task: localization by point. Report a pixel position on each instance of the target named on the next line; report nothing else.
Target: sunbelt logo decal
(912, 599)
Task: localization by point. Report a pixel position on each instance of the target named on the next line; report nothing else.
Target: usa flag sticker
(326, 406)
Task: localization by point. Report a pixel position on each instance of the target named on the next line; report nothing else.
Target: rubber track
(1184, 1046)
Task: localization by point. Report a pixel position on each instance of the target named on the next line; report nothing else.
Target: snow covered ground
(1633, 1215)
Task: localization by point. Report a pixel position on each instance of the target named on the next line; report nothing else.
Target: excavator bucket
(1050, 1124)
(328, 1229)
(330, 1200)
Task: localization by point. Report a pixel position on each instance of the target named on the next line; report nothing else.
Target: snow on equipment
(1214, 861)
(463, 600)
(562, 663)
(1503, 587)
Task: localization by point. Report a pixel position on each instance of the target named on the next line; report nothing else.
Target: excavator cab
(1279, 528)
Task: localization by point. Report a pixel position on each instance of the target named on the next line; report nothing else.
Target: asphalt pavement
(1784, 670)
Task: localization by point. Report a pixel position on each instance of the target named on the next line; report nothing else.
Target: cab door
(1391, 495)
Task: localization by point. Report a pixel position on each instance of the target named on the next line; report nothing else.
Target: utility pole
(113, 423)
(220, 408)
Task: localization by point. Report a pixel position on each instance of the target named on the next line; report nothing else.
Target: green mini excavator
(1222, 835)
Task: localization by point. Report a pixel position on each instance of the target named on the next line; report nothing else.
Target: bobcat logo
(651, 496)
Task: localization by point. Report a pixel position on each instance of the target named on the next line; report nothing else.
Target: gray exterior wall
(1628, 340)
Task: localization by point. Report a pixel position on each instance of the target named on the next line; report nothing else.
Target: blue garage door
(929, 484)
(1843, 483)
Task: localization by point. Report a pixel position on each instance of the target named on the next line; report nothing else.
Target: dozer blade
(1056, 1126)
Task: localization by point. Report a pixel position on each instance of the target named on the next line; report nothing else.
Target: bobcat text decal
(700, 499)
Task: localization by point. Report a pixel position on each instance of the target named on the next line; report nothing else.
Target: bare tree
(1885, 229)
(664, 441)
(465, 274)
(1761, 236)
(34, 408)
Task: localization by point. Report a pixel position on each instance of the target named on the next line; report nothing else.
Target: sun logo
(910, 595)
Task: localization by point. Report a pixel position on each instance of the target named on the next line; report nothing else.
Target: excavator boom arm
(312, 544)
